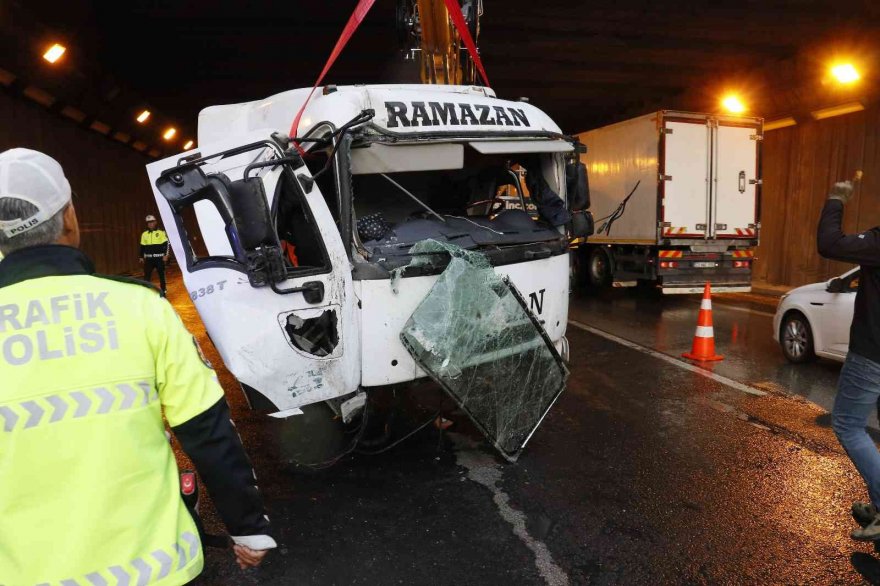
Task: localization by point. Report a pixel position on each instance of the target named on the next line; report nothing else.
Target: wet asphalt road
(642, 473)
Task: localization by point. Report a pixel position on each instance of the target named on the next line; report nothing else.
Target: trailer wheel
(599, 268)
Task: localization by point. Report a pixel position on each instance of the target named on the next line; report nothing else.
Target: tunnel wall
(800, 163)
(109, 179)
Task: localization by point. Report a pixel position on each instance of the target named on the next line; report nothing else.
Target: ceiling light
(169, 134)
(733, 104)
(143, 116)
(837, 110)
(54, 53)
(188, 145)
(845, 73)
(780, 123)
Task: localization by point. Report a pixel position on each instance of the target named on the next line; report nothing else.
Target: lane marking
(666, 358)
(485, 470)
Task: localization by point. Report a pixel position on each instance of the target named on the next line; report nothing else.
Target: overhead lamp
(143, 116)
(733, 104)
(188, 145)
(837, 110)
(780, 123)
(845, 73)
(54, 53)
(169, 134)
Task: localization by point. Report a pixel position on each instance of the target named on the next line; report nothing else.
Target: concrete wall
(109, 179)
(800, 163)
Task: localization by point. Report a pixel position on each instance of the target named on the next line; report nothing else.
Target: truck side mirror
(582, 224)
(577, 186)
(835, 285)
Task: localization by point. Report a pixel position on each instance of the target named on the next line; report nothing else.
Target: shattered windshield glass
(475, 336)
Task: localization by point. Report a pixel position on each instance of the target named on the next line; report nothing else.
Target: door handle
(742, 181)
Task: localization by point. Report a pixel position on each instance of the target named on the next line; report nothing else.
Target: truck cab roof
(402, 112)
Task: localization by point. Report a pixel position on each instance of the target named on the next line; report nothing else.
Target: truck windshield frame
(500, 253)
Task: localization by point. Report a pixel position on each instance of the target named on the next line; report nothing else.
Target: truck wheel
(796, 338)
(599, 268)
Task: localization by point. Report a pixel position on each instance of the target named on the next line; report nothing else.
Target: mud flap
(475, 336)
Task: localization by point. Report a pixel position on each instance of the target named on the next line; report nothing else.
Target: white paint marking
(666, 358)
(484, 469)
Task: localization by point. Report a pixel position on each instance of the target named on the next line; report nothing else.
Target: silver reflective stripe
(84, 404)
(141, 571)
(39, 412)
(144, 571)
(181, 554)
(96, 579)
(122, 577)
(129, 396)
(164, 563)
(59, 406)
(193, 543)
(9, 418)
(107, 399)
(36, 413)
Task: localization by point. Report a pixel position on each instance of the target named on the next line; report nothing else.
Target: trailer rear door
(685, 178)
(736, 182)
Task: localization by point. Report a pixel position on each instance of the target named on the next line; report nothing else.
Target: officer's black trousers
(159, 265)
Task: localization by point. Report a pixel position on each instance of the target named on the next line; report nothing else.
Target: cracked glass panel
(475, 336)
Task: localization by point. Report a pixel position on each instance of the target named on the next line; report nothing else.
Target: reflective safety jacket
(154, 244)
(89, 487)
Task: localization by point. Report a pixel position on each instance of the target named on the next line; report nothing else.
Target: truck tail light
(741, 264)
(668, 264)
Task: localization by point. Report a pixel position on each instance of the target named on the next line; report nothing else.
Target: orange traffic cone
(704, 337)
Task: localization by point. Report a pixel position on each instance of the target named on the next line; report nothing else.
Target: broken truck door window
(298, 234)
(315, 335)
(474, 335)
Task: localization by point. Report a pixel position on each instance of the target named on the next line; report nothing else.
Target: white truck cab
(309, 265)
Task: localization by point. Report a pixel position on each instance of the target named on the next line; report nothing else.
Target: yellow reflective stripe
(77, 404)
(147, 569)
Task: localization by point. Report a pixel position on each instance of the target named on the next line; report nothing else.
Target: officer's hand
(141, 260)
(165, 258)
(247, 557)
(841, 190)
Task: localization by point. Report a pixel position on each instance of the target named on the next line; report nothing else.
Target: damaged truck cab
(312, 261)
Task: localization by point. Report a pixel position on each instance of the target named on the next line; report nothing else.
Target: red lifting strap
(458, 20)
(354, 21)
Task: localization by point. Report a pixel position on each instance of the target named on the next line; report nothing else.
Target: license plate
(704, 265)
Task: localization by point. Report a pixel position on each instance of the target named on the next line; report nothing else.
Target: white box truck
(676, 197)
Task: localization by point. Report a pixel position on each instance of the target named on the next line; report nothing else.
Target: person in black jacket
(858, 389)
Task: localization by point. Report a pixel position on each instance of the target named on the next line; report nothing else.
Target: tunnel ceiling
(585, 63)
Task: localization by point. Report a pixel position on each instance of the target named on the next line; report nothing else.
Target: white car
(814, 320)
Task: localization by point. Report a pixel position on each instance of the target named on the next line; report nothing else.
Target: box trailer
(676, 197)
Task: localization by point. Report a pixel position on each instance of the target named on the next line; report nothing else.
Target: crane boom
(426, 29)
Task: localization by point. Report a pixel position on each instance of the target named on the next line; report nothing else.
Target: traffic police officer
(154, 251)
(89, 489)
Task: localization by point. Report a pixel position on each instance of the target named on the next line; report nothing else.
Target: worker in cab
(89, 486)
(155, 251)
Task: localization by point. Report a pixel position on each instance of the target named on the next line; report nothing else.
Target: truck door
(734, 209)
(293, 338)
(685, 179)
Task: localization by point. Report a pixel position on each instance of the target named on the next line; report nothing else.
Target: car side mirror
(835, 285)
